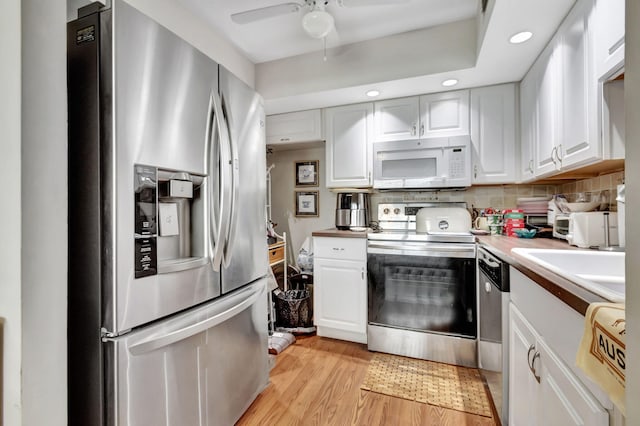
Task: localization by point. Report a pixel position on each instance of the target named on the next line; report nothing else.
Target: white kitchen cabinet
(528, 126)
(523, 385)
(609, 36)
(542, 389)
(444, 114)
(493, 134)
(547, 73)
(578, 141)
(340, 288)
(294, 127)
(397, 119)
(348, 132)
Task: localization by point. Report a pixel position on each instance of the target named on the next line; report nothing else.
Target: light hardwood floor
(316, 381)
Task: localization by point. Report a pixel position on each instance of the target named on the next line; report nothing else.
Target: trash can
(294, 308)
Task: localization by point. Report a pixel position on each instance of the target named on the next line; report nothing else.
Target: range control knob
(396, 211)
(385, 211)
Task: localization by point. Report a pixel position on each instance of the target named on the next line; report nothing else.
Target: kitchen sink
(599, 272)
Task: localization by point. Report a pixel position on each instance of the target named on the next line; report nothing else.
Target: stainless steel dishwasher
(493, 313)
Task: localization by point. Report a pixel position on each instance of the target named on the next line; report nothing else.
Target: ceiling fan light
(317, 23)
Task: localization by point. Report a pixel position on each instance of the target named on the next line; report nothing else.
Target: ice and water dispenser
(169, 221)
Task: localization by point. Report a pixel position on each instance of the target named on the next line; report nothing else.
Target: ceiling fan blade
(253, 15)
(359, 3)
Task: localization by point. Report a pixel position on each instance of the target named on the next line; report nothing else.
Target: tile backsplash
(607, 183)
(495, 196)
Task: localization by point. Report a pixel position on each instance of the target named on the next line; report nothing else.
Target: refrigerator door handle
(235, 185)
(222, 227)
(156, 342)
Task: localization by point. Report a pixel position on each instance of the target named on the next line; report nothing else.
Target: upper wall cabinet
(436, 115)
(293, 127)
(558, 103)
(493, 134)
(444, 114)
(609, 32)
(528, 126)
(397, 119)
(349, 131)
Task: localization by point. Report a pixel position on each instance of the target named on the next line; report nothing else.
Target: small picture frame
(306, 203)
(307, 173)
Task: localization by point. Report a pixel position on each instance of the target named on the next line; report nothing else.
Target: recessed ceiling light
(450, 82)
(520, 37)
(373, 93)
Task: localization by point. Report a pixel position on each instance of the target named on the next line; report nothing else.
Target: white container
(621, 200)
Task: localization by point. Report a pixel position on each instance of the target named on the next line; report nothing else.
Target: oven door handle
(433, 250)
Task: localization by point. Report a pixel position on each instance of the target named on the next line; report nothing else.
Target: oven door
(424, 287)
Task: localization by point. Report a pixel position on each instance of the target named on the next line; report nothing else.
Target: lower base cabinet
(542, 389)
(340, 288)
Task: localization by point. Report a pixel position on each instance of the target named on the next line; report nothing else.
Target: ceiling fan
(316, 21)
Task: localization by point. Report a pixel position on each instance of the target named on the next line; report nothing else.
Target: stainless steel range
(422, 283)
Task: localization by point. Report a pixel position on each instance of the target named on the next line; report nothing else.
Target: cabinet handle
(533, 367)
(422, 130)
(362, 273)
(413, 129)
(531, 361)
(338, 248)
(559, 154)
(475, 171)
(284, 139)
(553, 154)
(531, 165)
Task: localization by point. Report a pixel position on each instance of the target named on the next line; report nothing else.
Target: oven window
(434, 294)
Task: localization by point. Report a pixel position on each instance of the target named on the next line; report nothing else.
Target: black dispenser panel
(146, 223)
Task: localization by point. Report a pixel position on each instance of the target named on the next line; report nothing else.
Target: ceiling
(402, 50)
(282, 36)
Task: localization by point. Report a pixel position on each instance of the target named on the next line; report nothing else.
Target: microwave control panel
(457, 163)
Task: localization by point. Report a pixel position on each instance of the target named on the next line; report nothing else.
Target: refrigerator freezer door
(162, 117)
(245, 257)
(203, 367)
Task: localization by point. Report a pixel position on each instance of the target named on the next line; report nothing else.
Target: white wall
(632, 227)
(44, 213)
(191, 28)
(282, 193)
(10, 284)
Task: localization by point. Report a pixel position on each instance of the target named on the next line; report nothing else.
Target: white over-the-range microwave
(422, 163)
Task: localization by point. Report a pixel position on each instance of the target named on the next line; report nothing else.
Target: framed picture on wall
(306, 203)
(307, 173)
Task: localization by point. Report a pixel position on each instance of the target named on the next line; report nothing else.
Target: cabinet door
(528, 123)
(546, 160)
(300, 126)
(340, 295)
(609, 37)
(578, 142)
(563, 400)
(444, 114)
(348, 131)
(493, 134)
(523, 386)
(396, 119)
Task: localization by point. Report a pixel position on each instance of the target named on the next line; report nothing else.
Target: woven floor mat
(434, 383)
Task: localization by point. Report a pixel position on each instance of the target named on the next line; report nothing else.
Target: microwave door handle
(222, 230)
(234, 178)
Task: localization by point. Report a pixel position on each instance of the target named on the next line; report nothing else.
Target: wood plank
(316, 381)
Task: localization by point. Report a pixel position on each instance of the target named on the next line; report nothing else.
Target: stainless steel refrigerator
(167, 314)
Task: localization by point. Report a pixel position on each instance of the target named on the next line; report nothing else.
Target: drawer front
(340, 248)
(276, 254)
